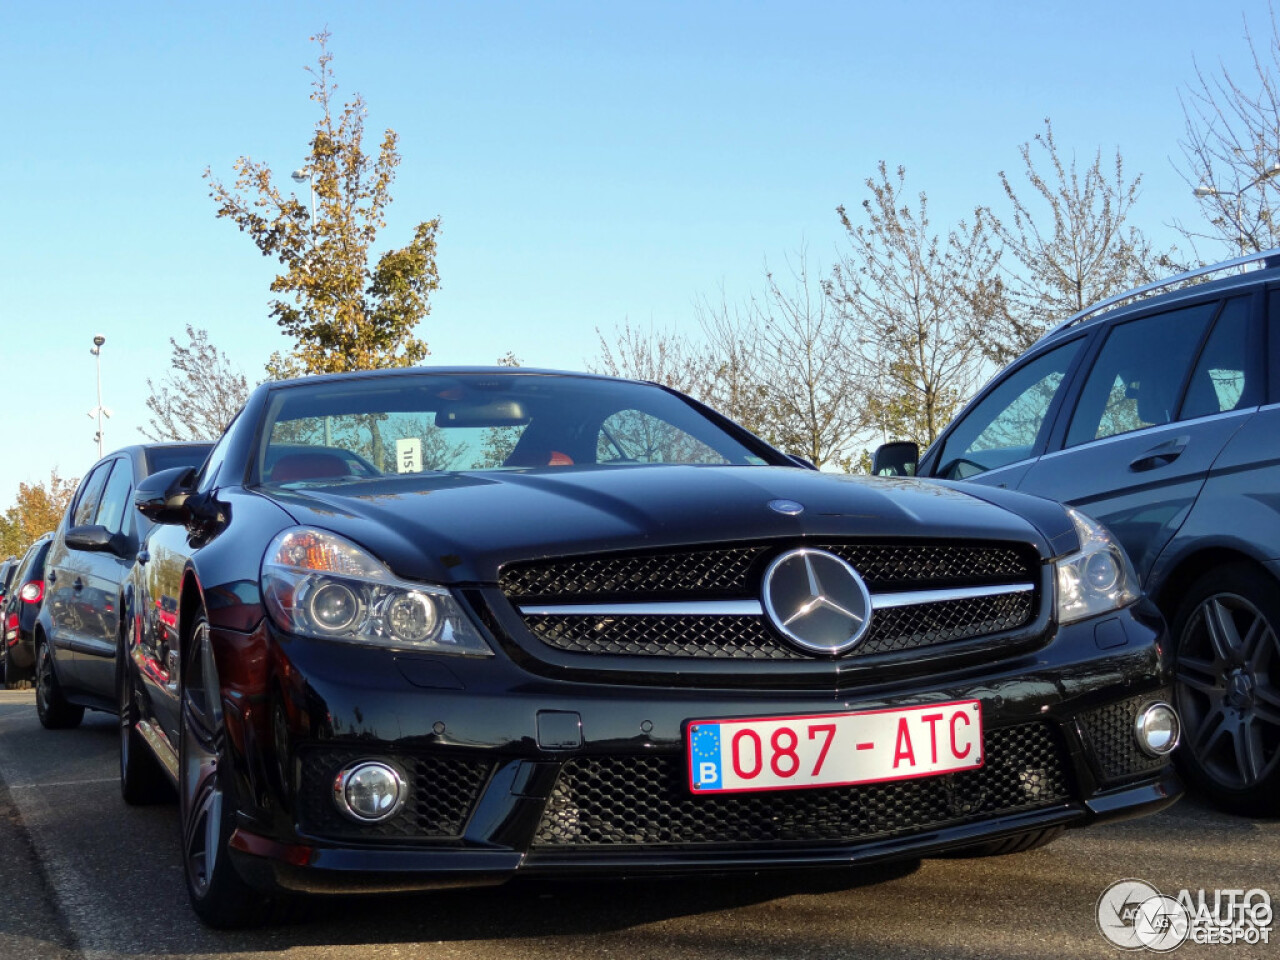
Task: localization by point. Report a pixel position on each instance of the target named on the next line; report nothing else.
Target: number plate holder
(830, 750)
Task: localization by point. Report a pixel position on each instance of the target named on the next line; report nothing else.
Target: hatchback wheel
(218, 894)
(142, 779)
(1228, 688)
(54, 710)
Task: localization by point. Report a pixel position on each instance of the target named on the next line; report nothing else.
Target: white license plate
(788, 753)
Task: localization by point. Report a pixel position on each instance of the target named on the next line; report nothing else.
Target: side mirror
(162, 497)
(897, 459)
(97, 538)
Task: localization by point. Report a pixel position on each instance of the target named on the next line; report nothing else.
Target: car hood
(460, 528)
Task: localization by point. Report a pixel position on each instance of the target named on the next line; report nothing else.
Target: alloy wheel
(201, 787)
(1228, 675)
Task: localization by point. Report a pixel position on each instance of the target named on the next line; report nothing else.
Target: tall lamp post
(1204, 190)
(99, 411)
(301, 176)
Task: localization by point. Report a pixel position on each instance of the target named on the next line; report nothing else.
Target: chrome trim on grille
(752, 608)
(914, 598)
(675, 608)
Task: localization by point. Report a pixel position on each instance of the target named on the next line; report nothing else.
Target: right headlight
(1096, 578)
(318, 584)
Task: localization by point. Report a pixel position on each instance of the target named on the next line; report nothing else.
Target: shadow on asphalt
(531, 909)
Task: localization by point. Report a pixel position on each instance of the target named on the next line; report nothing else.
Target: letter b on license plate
(785, 753)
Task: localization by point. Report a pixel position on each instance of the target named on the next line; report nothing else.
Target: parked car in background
(561, 624)
(88, 563)
(1159, 414)
(19, 610)
(7, 568)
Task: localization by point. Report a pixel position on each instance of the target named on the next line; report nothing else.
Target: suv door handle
(1160, 455)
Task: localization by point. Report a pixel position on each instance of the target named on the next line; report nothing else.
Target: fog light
(370, 792)
(1157, 729)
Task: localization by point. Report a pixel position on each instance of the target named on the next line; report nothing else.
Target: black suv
(1160, 416)
(89, 560)
(19, 609)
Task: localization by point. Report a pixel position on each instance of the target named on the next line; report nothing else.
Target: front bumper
(511, 772)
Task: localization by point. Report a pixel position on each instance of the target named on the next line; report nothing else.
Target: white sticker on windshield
(409, 455)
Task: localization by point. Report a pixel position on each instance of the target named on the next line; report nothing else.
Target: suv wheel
(54, 710)
(1228, 688)
(219, 896)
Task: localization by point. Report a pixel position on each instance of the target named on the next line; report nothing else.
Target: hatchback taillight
(11, 629)
(33, 591)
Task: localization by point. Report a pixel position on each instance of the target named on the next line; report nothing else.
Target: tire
(1019, 843)
(219, 896)
(54, 710)
(142, 780)
(1227, 667)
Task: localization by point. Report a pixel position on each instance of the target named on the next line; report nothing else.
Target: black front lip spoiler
(341, 870)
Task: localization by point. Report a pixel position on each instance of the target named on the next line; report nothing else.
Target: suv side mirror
(897, 459)
(162, 497)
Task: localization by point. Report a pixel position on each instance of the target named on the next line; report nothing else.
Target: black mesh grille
(645, 800)
(442, 791)
(748, 638)
(734, 571)
(1110, 731)
(705, 572)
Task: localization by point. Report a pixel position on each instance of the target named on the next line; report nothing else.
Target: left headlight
(1096, 578)
(318, 584)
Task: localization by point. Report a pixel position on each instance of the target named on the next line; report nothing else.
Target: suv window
(116, 497)
(90, 492)
(1222, 379)
(1273, 339)
(1136, 380)
(1005, 426)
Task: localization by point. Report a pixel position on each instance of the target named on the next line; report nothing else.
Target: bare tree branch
(198, 396)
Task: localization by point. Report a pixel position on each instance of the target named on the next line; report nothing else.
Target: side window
(209, 469)
(1137, 377)
(1005, 426)
(86, 506)
(631, 436)
(115, 497)
(1273, 338)
(1221, 380)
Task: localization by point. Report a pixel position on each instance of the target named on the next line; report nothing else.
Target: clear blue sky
(593, 163)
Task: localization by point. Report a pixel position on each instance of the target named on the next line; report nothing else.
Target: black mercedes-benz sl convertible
(425, 628)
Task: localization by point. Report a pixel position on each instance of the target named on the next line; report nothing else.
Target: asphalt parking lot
(86, 876)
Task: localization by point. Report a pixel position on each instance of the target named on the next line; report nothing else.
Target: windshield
(398, 424)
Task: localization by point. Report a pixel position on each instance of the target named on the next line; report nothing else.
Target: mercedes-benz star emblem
(817, 600)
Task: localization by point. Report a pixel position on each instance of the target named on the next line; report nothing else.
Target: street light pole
(298, 176)
(1204, 190)
(99, 411)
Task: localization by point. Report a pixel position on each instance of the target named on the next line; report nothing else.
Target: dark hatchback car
(19, 610)
(79, 628)
(7, 570)
(1161, 418)
(584, 626)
